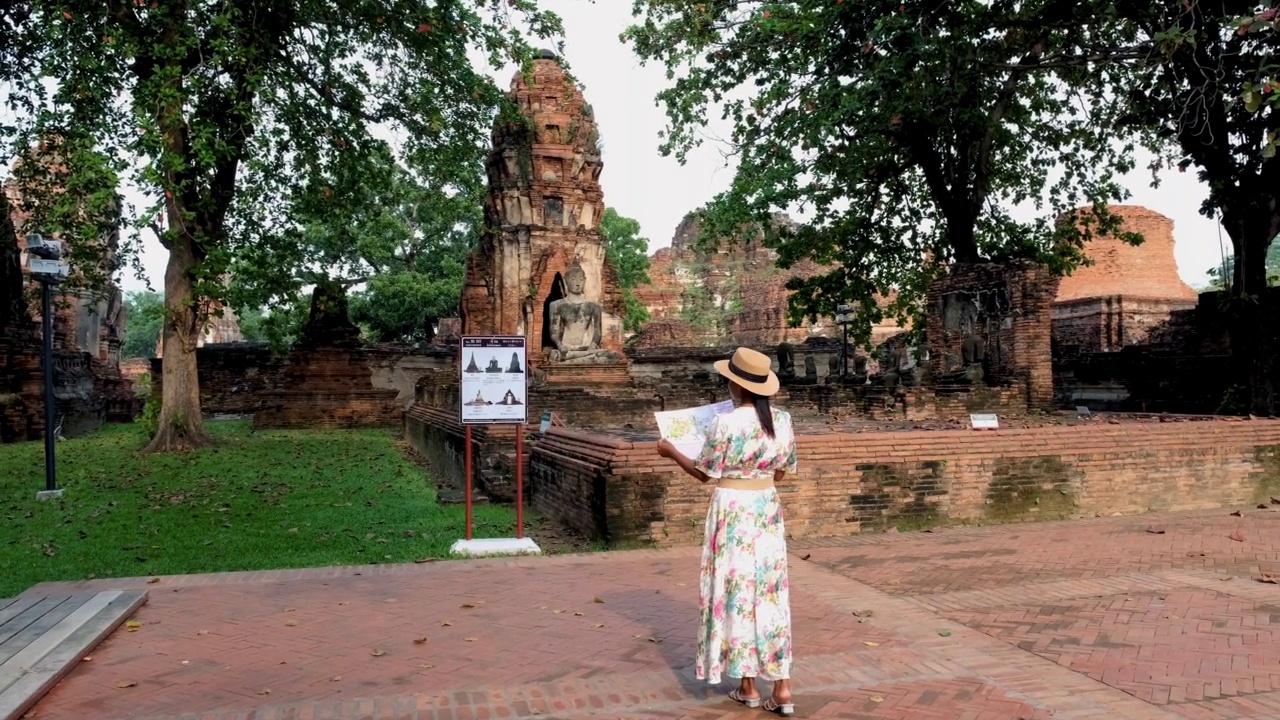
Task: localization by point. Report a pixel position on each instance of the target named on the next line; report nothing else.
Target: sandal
(737, 696)
(783, 709)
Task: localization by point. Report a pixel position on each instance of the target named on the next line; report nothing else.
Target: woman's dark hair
(763, 411)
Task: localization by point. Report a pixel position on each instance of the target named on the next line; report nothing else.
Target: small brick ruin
(89, 387)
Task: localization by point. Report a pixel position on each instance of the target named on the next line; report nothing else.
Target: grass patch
(257, 501)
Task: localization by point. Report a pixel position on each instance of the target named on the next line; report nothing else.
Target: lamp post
(45, 262)
(844, 318)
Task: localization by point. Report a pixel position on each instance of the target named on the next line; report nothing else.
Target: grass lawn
(257, 501)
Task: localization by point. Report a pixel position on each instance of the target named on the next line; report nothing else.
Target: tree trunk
(181, 424)
(1252, 346)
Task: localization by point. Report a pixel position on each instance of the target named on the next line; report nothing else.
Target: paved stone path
(1155, 617)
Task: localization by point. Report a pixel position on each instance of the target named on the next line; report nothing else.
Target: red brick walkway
(1090, 619)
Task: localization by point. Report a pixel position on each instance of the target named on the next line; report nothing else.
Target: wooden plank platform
(42, 637)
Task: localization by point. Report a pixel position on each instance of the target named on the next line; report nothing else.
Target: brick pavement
(1082, 620)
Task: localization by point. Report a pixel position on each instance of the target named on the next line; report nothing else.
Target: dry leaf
(86, 658)
(944, 633)
(426, 667)
(1237, 513)
(1237, 536)
(806, 556)
(578, 614)
(153, 581)
(1155, 530)
(655, 640)
(599, 601)
(869, 643)
(876, 699)
(335, 678)
(468, 606)
(202, 632)
(446, 624)
(377, 652)
(290, 623)
(1265, 577)
(126, 684)
(680, 584)
(424, 560)
(343, 603)
(1274, 501)
(1262, 506)
(597, 626)
(556, 612)
(291, 609)
(264, 691)
(133, 624)
(469, 639)
(420, 641)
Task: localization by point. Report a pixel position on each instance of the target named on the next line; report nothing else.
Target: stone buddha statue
(577, 323)
(786, 361)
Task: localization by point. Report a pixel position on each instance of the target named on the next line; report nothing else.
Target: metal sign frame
(476, 362)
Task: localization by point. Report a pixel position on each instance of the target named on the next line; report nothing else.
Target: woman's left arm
(667, 450)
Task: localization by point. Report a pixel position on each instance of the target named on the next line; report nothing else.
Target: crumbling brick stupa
(540, 270)
(89, 327)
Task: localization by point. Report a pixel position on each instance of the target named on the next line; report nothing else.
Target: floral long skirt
(746, 615)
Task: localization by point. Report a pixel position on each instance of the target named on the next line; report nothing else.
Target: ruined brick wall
(1107, 324)
(735, 293)
(1009, 307)
(870, 481)
(233, 377)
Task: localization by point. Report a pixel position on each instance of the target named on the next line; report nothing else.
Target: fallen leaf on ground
(863, 613)
(869, 643)
(1237, 513)
(944, 633)
(1237, 536)
(425, 560)
(1275, 501)
(446, 624)
(86, 658)
(335, 678)
(291, 609)
(264, 691)
(202, 632)
(344, 602)
(133, 624)
(1262, 506)
(1264, 577)
(468, 606)
(153, 581)
(377, 652)
(655, 640)
(578, 614)
(126, 684)
(556, 612)
(420, 641)
(290, 623)
(680, 584)
(806, 556)
(469, 639)
(426, 667)
(597, 626)
(877, 699)
(599, 601)
(1155, 530)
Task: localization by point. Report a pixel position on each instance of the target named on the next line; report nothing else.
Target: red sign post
(494, 390)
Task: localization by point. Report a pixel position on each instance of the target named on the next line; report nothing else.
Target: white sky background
(658, 191)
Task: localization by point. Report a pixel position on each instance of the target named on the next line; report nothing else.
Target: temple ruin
(88, 331)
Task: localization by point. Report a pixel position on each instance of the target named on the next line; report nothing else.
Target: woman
(746, 617)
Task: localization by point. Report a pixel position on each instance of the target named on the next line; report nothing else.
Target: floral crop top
(737, 447)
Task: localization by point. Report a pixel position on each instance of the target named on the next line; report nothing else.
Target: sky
(658, 191)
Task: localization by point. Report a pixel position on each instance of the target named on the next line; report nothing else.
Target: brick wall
(1107, 324)
(615, 488)
(1008, 306)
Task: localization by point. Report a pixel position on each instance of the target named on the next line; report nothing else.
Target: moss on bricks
(1040, 488)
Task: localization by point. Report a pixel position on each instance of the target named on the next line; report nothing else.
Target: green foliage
(1220, 276)
(149, 421)
(367, 221)
(908, 132)
(628, 252)
(261, 500)
(144, 314)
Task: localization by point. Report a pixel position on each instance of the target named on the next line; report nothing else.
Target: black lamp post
(44, 261)
(844, 318)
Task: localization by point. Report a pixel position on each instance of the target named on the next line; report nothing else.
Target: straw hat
(749, 369)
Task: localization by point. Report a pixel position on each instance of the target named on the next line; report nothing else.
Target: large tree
(366, 221)
(628, 251)
(217, 105)
(1211, 88)
(907, 132)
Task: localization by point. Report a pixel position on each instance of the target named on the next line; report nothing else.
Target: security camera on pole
(44, 260)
